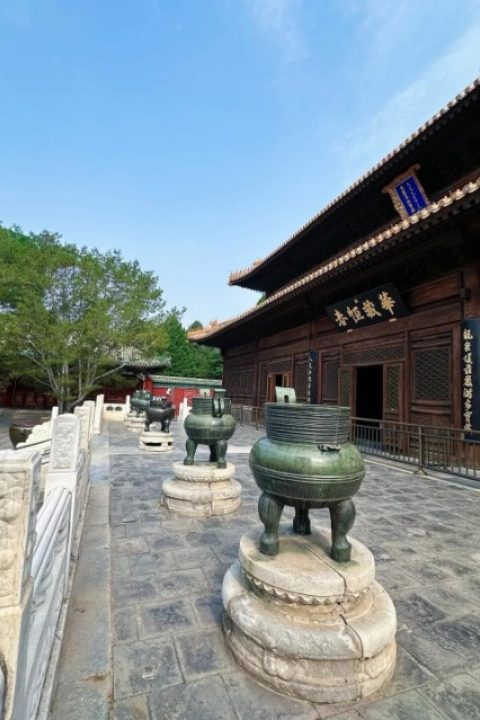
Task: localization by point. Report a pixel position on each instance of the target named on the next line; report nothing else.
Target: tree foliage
(69, 316)
(190, 359)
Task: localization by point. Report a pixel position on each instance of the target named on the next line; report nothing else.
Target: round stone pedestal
(156, 441)
(306, 625)
(134, 423)
(202, 490)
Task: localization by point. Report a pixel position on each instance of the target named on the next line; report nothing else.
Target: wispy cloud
(280, 21)
(445, 77)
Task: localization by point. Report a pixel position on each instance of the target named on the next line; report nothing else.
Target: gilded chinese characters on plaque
(378, 305)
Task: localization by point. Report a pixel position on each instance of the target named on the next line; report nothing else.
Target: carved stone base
(306, 625)
(134, 423)
(156, 441)
(202, 490)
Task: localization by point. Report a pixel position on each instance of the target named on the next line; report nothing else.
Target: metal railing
(249, 415)
(428, 447)
(445, 449)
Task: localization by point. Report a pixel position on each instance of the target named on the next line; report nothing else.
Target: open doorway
(369, 393)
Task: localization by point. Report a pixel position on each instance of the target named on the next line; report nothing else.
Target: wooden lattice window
(393, 388)
(345, 386)
(432, 375)
(330, 368)
(300, 382)
(373, 355)
(282, 365)
(263, 375)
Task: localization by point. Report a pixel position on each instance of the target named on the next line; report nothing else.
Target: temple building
(375, 302)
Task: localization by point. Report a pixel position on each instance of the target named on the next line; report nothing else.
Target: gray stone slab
(202, 653)
(80, 701)
(205, 699)
(133, 708)
(429, 652)
(209, 609)
(458, 698)
(406, 706)
(253, 702)
(180, 584)
(413, 608)
(166, 542)
(170, 617)
(127, 592)
(97, 511)
(130, 546)
(125, 625)
(86, 644)
(408, 674)
(461, 635)
(144, 665)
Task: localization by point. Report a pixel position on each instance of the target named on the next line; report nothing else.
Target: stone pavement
(163, 658)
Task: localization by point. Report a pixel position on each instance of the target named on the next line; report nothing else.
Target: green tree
(188, 358)
(182, 361)
(208, 360)
(71, 317)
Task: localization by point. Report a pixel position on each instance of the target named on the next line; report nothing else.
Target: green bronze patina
(140, 401)
(307, 462)
(160, 411)
(210, 423)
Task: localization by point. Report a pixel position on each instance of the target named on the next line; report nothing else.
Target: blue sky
(197, 135)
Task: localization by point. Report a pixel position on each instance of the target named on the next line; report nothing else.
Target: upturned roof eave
(434, 212)
(246, 277)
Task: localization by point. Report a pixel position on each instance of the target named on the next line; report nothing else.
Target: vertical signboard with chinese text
(471, 377)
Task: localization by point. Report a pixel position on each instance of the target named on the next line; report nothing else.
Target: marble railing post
(90, 404)
(19, 483)
(84, 415)
(127, 405)
(97, 426)
(53, 415)
(65, 468)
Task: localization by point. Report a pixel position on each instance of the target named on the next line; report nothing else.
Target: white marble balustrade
(35, 557)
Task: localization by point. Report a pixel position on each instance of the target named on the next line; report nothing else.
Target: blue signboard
(411, 195)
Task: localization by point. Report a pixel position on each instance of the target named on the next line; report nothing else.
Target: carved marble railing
(50, 567)
(41, 438)
(35, 553)
(116, 411)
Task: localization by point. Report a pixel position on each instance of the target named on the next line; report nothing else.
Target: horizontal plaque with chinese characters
(378, 305)
(470, 377)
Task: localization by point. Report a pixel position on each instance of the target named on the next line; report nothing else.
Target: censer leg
(270, 509)
(221, 453)
(342, 515)
(301, 521)
(191, 446)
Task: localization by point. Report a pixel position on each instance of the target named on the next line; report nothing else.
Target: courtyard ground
(144, 640)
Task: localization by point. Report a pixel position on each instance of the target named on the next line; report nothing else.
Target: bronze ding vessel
(306, 461)
(140, 401)
(210, 423)
(161, 411)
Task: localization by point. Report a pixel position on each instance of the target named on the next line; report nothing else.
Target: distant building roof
(177, 381)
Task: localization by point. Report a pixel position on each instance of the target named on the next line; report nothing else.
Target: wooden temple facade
(375, 302)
